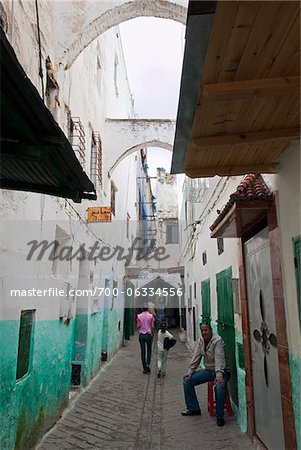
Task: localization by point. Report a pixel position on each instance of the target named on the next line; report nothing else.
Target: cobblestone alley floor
(125, 409)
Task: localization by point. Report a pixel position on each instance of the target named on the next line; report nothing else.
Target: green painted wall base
(241, 383)
(31, 405)
(295, 367)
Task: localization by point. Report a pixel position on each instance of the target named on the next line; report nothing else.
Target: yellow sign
(100, 214)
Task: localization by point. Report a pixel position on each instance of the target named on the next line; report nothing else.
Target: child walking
(162, 352)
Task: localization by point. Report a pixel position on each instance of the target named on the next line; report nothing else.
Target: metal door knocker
(264, 337)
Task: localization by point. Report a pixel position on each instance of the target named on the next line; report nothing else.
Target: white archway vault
(85, 29)
(126, 136)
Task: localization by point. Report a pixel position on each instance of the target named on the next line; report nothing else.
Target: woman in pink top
(146, 326)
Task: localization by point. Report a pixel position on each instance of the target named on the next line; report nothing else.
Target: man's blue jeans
(146, 349)
(203, 376)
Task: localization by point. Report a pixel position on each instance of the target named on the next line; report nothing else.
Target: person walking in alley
(210, 346)
(162, 352)
(153, 310)
(145, 324)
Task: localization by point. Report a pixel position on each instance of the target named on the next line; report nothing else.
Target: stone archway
(86, 32)
(130, 135)
(137, 147)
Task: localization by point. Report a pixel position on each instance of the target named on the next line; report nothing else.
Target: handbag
(168, 343)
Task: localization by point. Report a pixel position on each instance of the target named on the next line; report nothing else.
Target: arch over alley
(86, 31)
(130, 135)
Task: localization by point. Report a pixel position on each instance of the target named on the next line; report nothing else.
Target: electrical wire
(202, 220)
(40, 49)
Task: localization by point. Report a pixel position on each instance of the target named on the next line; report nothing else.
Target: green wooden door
(206, 305)
(297, 254)
(128, 324)
(226, 324)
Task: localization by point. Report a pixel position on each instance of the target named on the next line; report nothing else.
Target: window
(114, 292)
(116, 64)
(172, 232)
(99, 75)
(113, 197)
(194, 289)
(190, 298)
(62, 260)
(25, 342)
(128, 225)
(204, 257)
(220, 246)
(76, 374)
(96, 160)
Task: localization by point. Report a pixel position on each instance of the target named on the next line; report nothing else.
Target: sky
(153, 50)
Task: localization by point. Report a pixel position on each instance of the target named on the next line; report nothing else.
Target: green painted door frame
(225, 322)
(297, 260)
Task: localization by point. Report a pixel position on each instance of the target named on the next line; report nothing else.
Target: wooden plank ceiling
(249, 98)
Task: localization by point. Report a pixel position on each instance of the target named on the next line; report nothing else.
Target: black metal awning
(35, 154)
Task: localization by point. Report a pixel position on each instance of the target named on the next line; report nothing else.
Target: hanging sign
(100, 214)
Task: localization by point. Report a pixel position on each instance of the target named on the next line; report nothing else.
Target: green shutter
(226, 330)
(206, 304)
(25, 333)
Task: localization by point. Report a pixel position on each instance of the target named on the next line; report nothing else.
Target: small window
(25, 341)
(76, 374)
(116, 64)
(190, 298)
(113, 197)
(99, 75)
(172, 232)
(194, 289)
(220, 246)
(128, 225)
(204, 257)
(115, 284)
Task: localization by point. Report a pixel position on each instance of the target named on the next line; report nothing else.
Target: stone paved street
(126, 409)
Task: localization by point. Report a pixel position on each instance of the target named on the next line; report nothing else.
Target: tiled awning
(35, 154)
(247, 206)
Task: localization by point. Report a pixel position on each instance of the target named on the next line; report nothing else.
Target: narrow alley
(125, 409)
(150, 171)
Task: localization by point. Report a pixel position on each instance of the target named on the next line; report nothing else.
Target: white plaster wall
(28, 216)
(215, 197)
(287, 184)
(22, 32)
(167, 208)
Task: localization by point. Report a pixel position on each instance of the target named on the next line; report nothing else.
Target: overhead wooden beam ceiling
(248, 106)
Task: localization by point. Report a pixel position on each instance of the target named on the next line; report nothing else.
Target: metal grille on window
(194, 189)
(77, 139)
(96, 160)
